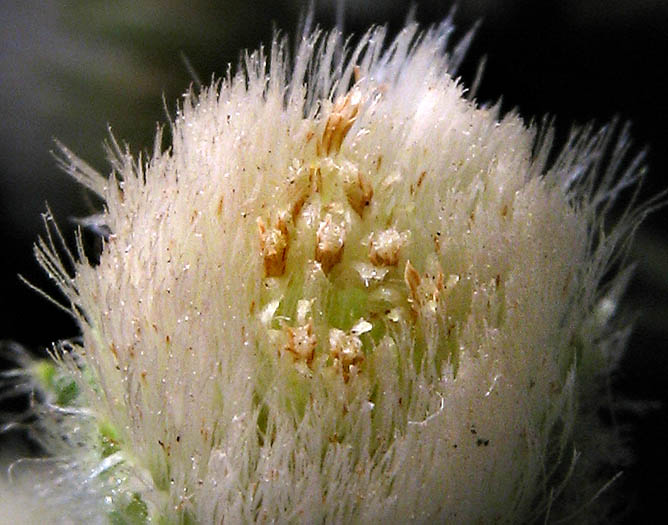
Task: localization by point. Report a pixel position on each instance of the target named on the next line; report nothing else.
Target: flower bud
(344, 296)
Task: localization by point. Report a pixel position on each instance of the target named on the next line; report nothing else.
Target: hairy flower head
(345, 294)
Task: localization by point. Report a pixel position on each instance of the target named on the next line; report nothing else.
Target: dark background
(69, 68)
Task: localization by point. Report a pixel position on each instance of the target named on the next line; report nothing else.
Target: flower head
(345, 294)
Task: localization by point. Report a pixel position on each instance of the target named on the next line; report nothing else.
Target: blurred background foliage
(69, 69)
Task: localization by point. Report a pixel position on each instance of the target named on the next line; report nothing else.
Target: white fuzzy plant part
(345, 294)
